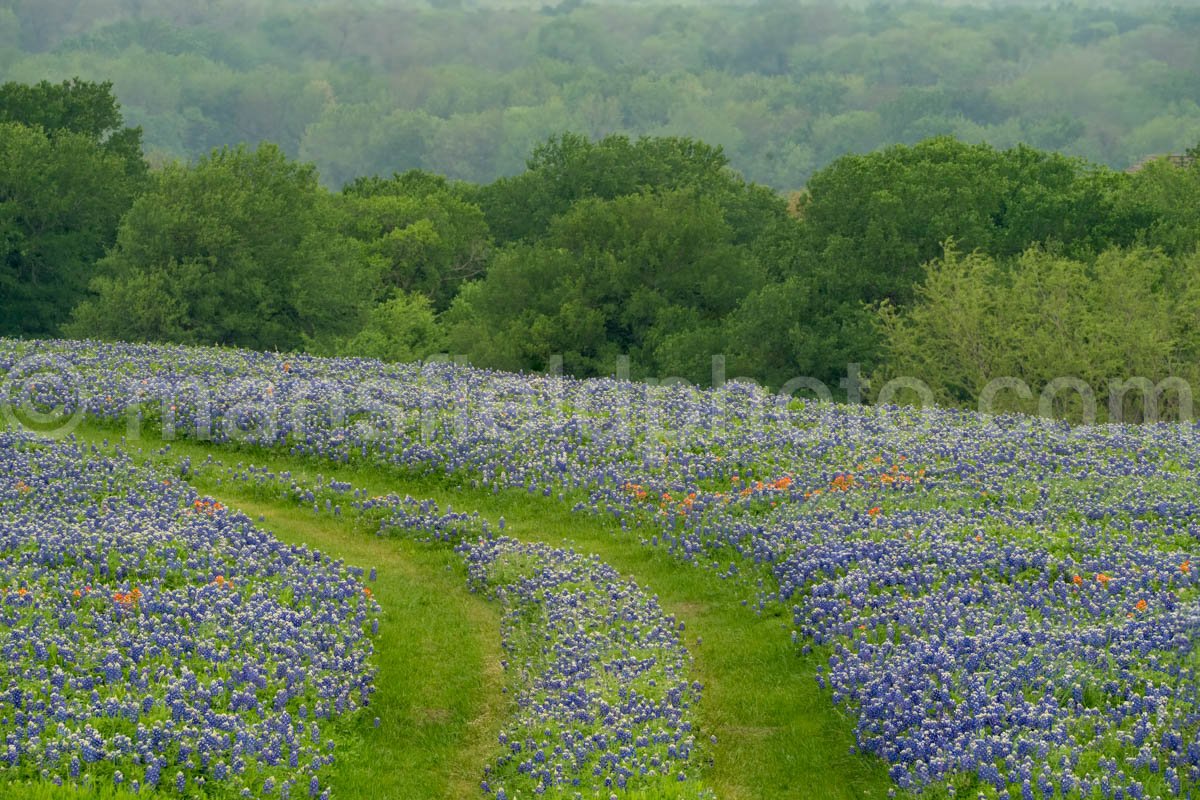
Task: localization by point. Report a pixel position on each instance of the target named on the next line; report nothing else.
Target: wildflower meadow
(997, 606)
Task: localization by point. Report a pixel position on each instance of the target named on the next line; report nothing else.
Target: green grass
(438, 652)
(777, 734)
(46, 791)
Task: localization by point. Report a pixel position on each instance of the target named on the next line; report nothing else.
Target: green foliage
(1045, 317)
(466, 89)
(649, 276)
(569, 168)
(240, 249)
(874, 219)
(61, 197)
(870, 221)
(1165, 199)
(951, 334)
(75, 106)
(650, 248)
(357, 139)
(68, 171)
(402, 328)
(420, 234)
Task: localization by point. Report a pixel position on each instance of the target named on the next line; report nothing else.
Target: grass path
(439, 683)
(778, 736)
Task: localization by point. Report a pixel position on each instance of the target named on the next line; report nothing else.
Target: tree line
(467, 88)
(944, 260)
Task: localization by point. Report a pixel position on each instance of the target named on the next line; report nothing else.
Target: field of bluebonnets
(153, 639)
(1009, 607)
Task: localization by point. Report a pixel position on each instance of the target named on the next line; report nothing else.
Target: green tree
(419, 233)
(241, 249)
(1041, 318)
(1165, 200)
(81, 107)
(953, 336)
(570, 168)
(870, 222)
(875, 219)
(402, 328)
(62, 195)
(650, 276)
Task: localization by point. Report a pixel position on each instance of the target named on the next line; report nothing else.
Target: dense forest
(467, 88)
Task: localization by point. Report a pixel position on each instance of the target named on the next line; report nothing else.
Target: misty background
(467, 88)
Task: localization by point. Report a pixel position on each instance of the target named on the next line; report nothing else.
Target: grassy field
(439, 699)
